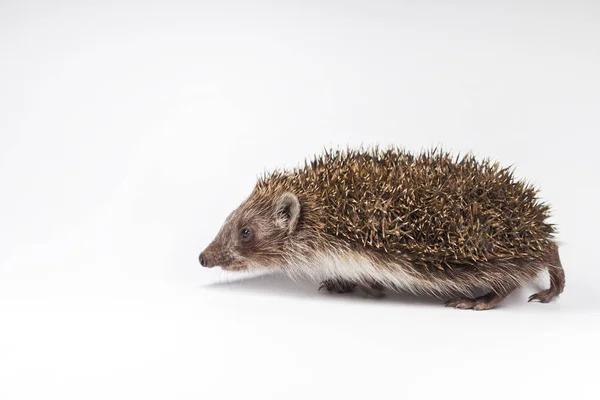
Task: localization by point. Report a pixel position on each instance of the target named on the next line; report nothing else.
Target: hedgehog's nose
(204, 260)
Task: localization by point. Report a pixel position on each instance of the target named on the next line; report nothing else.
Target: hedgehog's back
(439, 209)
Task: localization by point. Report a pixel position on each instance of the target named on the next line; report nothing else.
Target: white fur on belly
(358, 268)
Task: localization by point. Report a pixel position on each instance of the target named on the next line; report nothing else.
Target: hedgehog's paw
(337, 286)
(465, 304)
(485, 302)
(544, 296)
(372, 289)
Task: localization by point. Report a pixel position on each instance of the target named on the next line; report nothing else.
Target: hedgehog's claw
(544, 296)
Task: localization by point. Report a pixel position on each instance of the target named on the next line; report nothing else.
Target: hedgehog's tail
(557, 278)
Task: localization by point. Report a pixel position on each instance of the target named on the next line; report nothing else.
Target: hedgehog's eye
(245, 233)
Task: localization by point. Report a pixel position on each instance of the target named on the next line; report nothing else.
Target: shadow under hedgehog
(428, 223)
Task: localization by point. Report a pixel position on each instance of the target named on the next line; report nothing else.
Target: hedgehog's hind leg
(557, 279)
(485, 302)
(337, 286)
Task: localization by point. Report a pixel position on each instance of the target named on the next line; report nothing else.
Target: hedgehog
(429, 223)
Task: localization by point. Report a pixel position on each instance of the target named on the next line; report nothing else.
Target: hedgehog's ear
(287, 211)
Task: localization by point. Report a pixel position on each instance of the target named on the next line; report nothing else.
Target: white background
(128, 132)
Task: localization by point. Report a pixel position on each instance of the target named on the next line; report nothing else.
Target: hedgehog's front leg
(484, 302)
(372, 289)
(337, 286)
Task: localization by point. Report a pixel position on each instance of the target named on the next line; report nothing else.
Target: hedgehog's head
(255, 234)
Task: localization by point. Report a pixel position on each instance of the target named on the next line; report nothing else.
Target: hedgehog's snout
(206, 260)
(213, 256)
